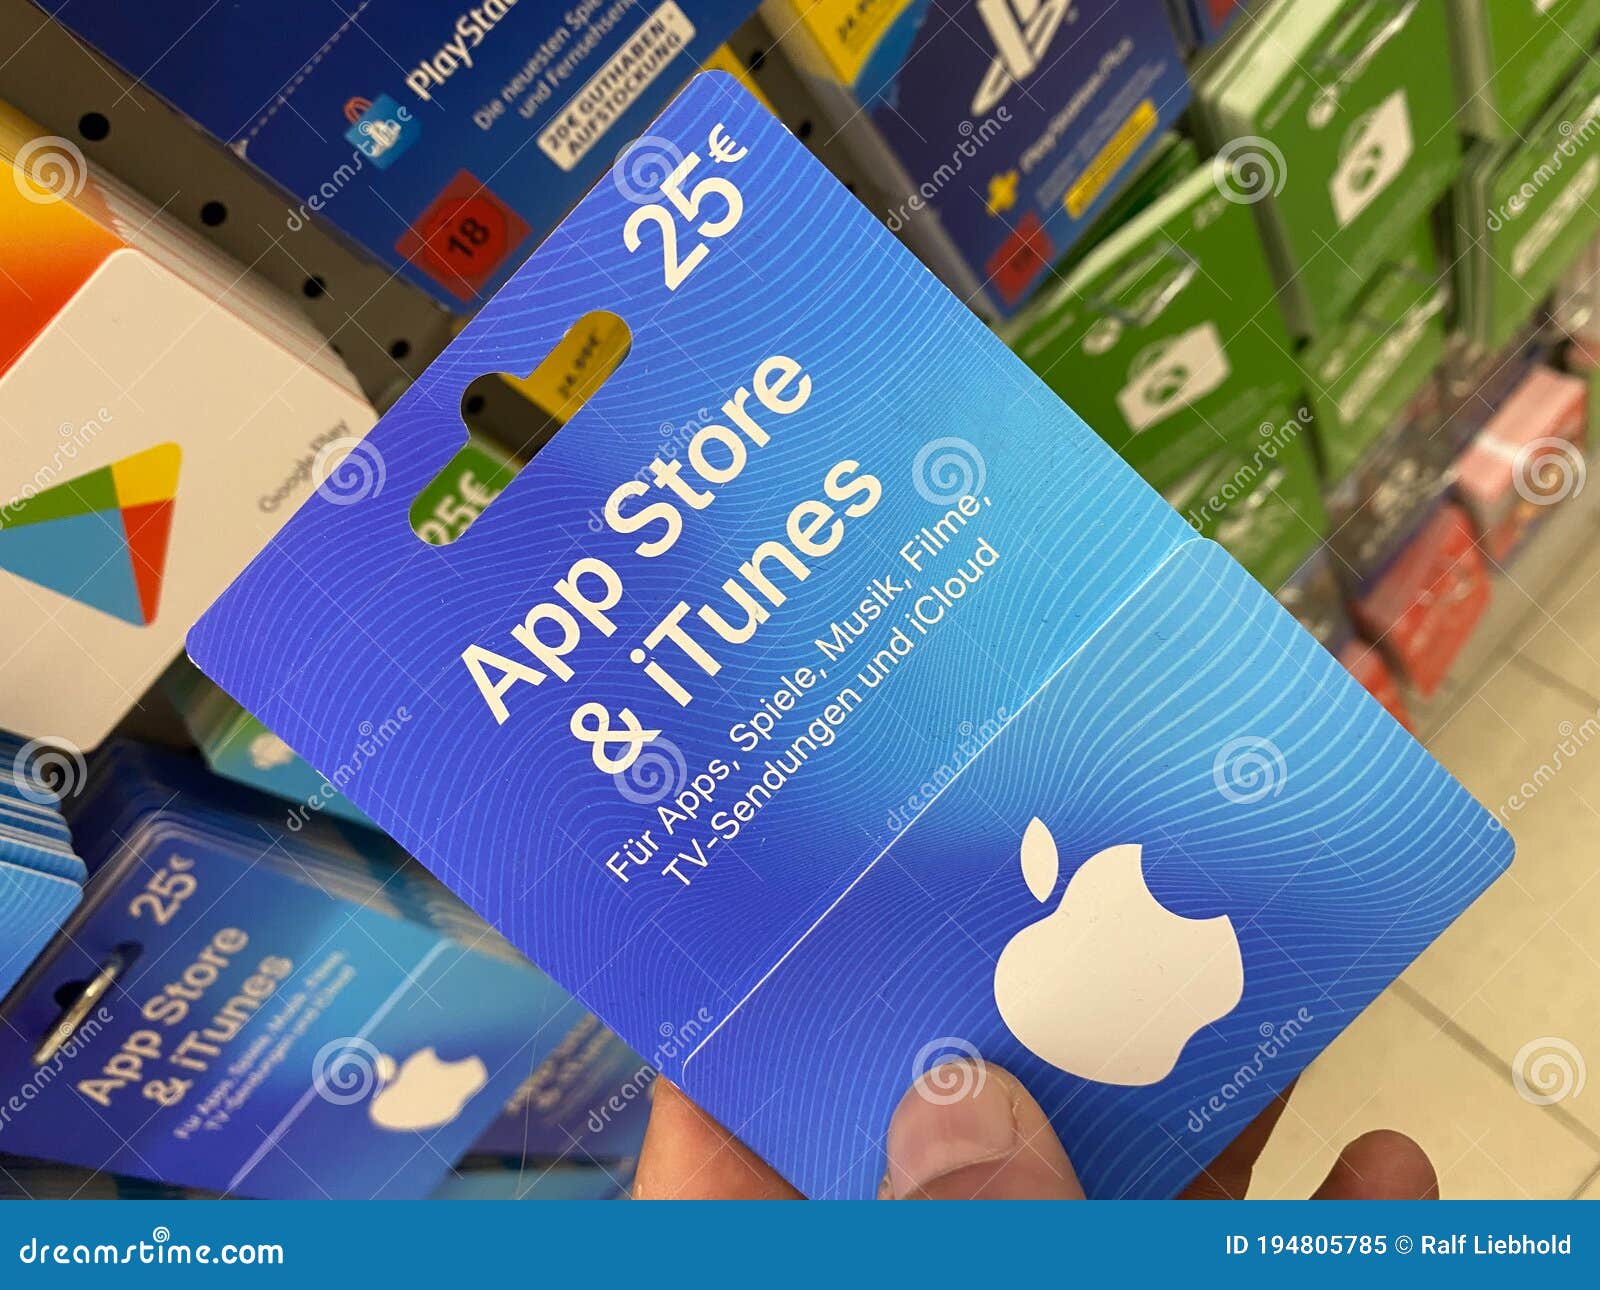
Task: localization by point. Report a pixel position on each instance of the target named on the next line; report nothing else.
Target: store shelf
(384, 329)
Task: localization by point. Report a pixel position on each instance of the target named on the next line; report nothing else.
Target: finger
(1381, 1165)
(1228, 1176)
(967, 1131)
(689, 1156)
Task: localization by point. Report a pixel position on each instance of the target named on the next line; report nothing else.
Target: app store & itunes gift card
(671, 694)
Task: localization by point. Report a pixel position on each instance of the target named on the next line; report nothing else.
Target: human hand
(993, 1144)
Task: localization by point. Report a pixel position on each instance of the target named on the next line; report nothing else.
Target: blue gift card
(823, 671)
(444, 139)
(265, 1028)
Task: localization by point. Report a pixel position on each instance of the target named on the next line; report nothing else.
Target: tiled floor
(1514, 986)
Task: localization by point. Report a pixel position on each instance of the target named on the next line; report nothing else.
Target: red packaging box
(1424, 608)
(1527, 459)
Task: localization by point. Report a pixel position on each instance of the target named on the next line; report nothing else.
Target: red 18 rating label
(463, 236)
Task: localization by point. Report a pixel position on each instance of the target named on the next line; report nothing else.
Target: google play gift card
(160, 416)
(827, 696)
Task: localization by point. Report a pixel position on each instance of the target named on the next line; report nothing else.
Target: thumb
(969, 1131)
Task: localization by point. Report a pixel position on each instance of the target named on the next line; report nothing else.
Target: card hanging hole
(510, 417)
(78, 999)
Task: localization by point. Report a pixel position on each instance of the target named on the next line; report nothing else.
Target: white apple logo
(425, 1091)
(1111, 985)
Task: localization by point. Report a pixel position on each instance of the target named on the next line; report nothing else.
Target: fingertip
(1381, 1165)
(969, 1130)
(687, 1155)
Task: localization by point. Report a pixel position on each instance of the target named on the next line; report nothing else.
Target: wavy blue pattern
(347, 621)
(1334, 882)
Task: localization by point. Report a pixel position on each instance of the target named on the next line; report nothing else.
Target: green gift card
(1363, 372)
(1336, 119)
(1165, 338)
(1260, 500)
(1510, 55)
(1525, 209)
(457, 496)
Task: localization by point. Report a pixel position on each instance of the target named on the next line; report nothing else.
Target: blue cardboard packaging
(997, 130)
(888, 716)
(446, 139)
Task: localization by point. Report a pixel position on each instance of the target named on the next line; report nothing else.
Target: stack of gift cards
(251, 1009)
(1335, 121)
(41, 877)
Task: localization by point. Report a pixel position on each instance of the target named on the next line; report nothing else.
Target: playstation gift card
(827, 696)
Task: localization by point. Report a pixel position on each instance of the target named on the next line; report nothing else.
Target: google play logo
(100, 539)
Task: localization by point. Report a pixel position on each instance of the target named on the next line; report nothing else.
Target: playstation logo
(380, 129)
(1021, 31)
